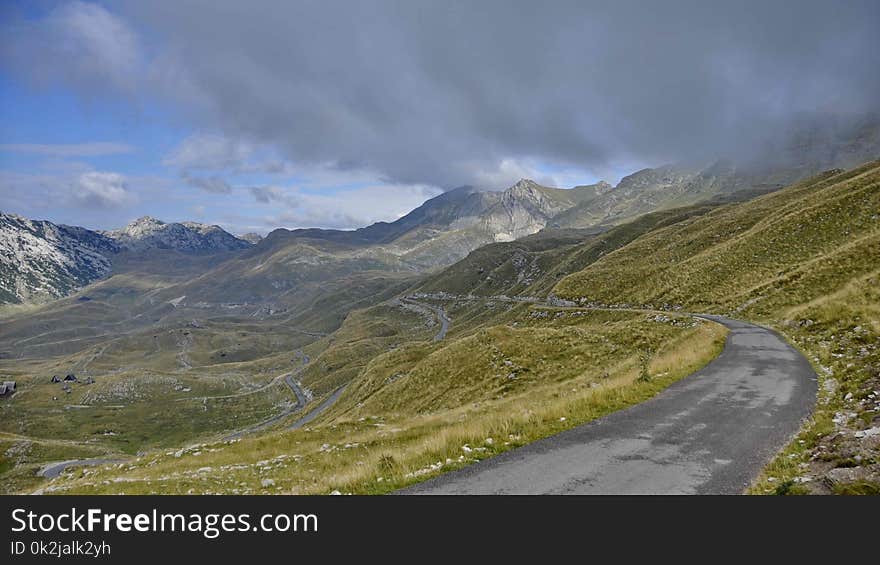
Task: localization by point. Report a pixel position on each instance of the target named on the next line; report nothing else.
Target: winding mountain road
(709, 433)
(444, 324)
(52, 470)
(439, 312)
(301, 401)
(327, 403)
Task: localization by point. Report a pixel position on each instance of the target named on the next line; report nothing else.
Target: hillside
(805, 260)
(42, 260)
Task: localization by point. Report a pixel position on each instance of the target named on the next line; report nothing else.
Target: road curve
(439, 312)
(52, 470)
(710, 433)
(444, 324)
(327, 403)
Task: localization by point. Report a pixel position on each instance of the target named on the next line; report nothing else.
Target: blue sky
(78, 147)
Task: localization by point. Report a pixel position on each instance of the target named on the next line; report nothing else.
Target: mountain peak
(149, 233)
(524, 184)
(146, 220)
(524, 181)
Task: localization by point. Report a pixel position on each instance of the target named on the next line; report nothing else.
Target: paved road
(441, 317)
(328, 402)
(301, 401)
(710, 433)
(52, 470)
(444, 324)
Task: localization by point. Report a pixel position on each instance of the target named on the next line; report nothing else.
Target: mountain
(149, 233)
(252, 238)
(42, 260)
(444, 229)
(449, 226)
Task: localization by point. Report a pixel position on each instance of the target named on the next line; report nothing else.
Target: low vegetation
(426, 407)
(804, 260)
(547, 332)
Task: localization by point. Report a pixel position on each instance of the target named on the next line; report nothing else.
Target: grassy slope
(424, 407)
(531, 266)
(805, 260)
(147, 355)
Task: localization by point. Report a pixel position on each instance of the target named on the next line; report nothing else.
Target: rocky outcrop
(42, 260)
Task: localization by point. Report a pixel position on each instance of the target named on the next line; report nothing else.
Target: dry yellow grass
(377, 454)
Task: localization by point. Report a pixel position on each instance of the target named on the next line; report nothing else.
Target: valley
(316, 360)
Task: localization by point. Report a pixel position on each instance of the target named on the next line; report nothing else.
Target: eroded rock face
(524, 209)
(42, 260)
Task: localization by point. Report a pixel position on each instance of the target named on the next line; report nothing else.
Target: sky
(264, 114)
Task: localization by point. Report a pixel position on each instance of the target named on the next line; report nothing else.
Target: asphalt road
(328, 402)
(301, 401)
(439, 312)
(444, 324)
(710, 433)
(52, 470)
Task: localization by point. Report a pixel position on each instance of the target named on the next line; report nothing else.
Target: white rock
(870, 432)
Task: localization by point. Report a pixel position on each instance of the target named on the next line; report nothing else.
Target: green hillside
(805, 260)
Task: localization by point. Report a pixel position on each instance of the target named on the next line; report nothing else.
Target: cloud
(77, 42)
(266, 194)
(93, 149)
(213, 184)
(101, 189)
(444, 94)
(206, 151)
(345, 209)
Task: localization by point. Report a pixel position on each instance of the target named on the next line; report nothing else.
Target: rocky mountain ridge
(42, 260)
(149, 233)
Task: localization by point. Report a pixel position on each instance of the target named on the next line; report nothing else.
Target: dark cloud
(443, 93)
(213, 184)
(266, 194)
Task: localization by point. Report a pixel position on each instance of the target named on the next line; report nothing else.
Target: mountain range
(459, 312)
(43, 261)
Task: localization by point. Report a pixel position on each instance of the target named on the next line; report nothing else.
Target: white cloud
(209, 151)
(507, 173)
(213, 152)
(94, 34)
(347, 209)
(92, 149)
(101, 189)
(79, 43)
